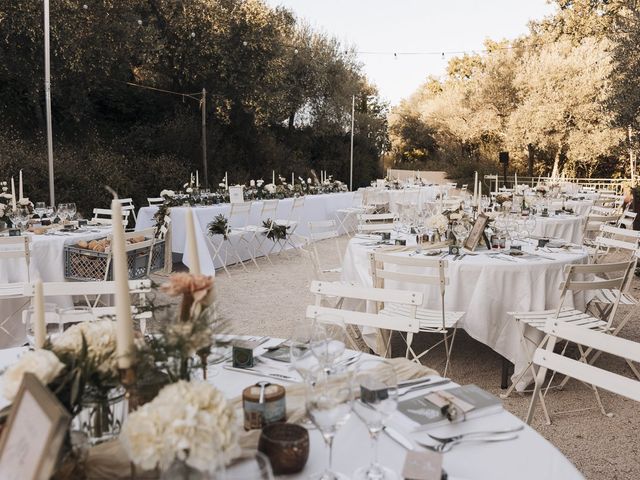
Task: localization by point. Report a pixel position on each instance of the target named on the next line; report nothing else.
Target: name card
(34, 433)
(422, 466)
(236, 195)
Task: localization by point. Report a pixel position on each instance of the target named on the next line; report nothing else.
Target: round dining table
(564, 226)
(486, 285)
(529, 456)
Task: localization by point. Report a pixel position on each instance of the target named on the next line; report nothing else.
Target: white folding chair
(155, 201)
(325, 230)
(147, 244)
(578, 280)
(102, 216)
(592, 226)
(291, 225)
(16, 247)
(231, 238)
(406, 324)
(347, 217)
(627, 219)
(375, 222)
(260, 231)
(387, 267)
(596, 377)
(128, 206)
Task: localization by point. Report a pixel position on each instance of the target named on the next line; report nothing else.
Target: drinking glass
(250, 465)
(22, 217)
(328, 339)
(71, 207)
(378, 388)
(329, 398)
(50, 211)
(40, 209)
(62, 212)
(302, 358)
(530, 225)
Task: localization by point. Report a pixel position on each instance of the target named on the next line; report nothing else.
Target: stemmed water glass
(378, 388)
(40, 209)
(328, 340)
(329, 398)
(71, 208)
(62, 212)
(302, 358)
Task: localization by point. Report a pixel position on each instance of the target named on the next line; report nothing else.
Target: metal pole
(47, 93)
(353, 111)
(632, 167)
(204, 138)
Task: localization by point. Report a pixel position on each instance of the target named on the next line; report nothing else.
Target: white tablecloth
(47, 264)
(416, 196)
(528, 457)
(486, 289)
(566, 227)
(316, 207)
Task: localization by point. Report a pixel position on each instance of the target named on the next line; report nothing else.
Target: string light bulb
(245, 43)
(85, 6)
(295, 51)
(193, 34)
(139, 22)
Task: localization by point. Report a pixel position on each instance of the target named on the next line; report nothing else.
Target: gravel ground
(268, 301)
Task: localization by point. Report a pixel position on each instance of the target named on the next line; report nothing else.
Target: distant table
(47, 264)
(316, 208)
(486, 289)
(565, 227)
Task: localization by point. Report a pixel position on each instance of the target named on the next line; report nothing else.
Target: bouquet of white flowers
(190, 422)
(438, 222)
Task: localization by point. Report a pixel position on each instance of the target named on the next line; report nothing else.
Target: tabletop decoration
(542, 190)
(188, 428)
(219, 226)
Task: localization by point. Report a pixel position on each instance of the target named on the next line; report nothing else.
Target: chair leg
(450, 349)
(532, 405)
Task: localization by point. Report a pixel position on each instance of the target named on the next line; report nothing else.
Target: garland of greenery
(219, 226)
(275, 231)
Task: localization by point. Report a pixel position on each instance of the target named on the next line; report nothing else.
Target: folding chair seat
(387, 267)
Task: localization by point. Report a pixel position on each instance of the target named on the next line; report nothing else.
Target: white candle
(516, 179)
(39, 326)
(293, 178)
(13, 194)
(194, 258)
(273, 177)
(21, 196)
(475, 188)
(197, 179)
(124, 324)
(226, 180)
(480, 195)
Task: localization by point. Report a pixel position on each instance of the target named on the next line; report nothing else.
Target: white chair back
(239, 214)
(155, 201)
(127, 205)
(375, 222)
(16, 247)
(269, 210)
(102, 216)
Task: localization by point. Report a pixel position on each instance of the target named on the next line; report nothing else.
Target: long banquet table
(47, 264)
(530, 456)
(316, 208)
(486, 288)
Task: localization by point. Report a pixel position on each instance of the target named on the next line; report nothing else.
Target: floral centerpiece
(542, 190)
(502, 198)
(188, 425)
(438, 223)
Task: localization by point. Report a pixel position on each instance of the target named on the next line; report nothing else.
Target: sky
(415, 26)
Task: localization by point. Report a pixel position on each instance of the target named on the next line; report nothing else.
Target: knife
(252, 371)
(398, 437)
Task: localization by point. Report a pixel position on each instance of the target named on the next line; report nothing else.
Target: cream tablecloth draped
(316, 207)
(566, 227)
(486, 289)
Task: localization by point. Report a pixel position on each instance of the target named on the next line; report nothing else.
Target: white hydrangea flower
(167, 193)
(189, 190)
(44, 364)
(270, 187)
(24, 202)
(252, 183)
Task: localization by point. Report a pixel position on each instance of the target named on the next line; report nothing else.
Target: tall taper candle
(475, 188)
(516, 181)
(124, 324)
(293, 178)
(273, 177)
(13, 194)
(194, 258)
(21, 196)
(197, 179)
(226, 180)
(39, 325)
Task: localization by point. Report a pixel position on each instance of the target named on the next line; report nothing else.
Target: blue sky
(415, 26)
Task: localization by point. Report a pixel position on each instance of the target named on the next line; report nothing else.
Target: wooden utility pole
(204, 138)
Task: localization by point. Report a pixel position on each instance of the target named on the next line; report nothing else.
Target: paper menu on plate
(425, 411)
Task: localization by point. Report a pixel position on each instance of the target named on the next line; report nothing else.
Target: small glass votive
(286, 445)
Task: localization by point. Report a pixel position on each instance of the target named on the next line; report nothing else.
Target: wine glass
(50, 211)
(378, 388)
(62, 212)
(302, 358)
(329, 398)
(71, 207)
(22, 217)
(460, 230)
(530, 225)
(328, 339)
(40, 209)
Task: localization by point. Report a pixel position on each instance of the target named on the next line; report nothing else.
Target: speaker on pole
(504, 160)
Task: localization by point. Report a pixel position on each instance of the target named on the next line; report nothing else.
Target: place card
(236, 195)
(242, 354)
(422, 465)
(34, 433)
(14, 232)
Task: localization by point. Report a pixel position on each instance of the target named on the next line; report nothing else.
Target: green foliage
(219, 226)
(279, 95)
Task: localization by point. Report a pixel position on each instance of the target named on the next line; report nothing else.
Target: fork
(517, 428)
(445, 447)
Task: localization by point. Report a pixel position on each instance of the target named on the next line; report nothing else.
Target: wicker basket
(86, 265)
